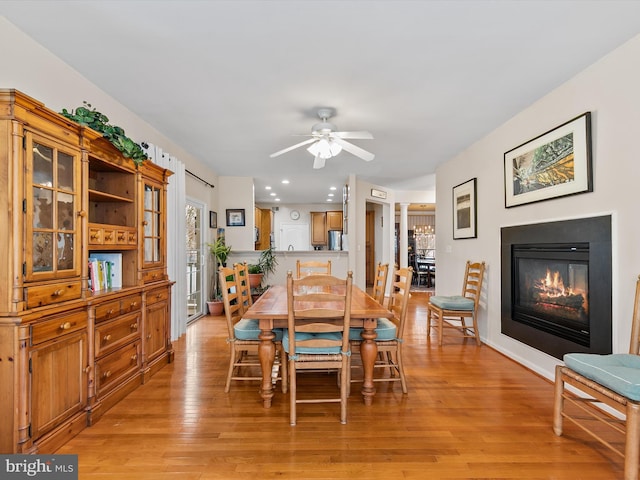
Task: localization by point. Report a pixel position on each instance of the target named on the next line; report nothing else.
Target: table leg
(267, 354)
(368, 353)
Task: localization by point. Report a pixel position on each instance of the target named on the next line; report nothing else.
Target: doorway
(194, 213)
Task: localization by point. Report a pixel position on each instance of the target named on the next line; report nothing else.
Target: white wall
(237, 193)
(609, 89)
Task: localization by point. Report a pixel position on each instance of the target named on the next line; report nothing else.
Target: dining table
(271, 311)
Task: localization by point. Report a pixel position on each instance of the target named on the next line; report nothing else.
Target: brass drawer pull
(107, 338)
(134, 357)
(65, 326)
(106, 374)
(134, 326)
(110, 312)
(57, 293)
(149, 336)
(133, 304)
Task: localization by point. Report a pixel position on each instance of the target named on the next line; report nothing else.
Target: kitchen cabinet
(334, 220)
(318, 228)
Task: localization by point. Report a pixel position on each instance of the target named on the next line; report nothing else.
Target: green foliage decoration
(89, 116)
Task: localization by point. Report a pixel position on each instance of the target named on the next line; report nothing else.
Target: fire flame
(553, 285)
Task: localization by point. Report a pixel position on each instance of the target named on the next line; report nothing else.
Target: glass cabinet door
(152, 223)
(52, 200)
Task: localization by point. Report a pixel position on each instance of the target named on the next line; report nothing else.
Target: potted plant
(219, 251)
(266, 265)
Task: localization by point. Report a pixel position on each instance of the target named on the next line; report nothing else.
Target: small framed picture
(235, 217)
(464, 210)
(213, 219)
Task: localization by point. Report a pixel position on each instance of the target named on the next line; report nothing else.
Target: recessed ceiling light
(285, 181)
(330, 194)
(273, 194)
(277, 199)
(329, 199)
(332, 188)
(267, 187)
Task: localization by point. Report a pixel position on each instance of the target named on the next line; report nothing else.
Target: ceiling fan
(327, 143)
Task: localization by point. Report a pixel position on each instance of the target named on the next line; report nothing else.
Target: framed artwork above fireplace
(554, 164)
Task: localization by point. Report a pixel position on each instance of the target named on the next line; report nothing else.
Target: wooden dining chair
(607, 380)
(390, 332)
(317, 338)
(312, 268)
(241, 271)
(380, 282)
(451, 311)
(243, 338)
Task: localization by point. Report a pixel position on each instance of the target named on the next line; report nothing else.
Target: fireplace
(556, 285)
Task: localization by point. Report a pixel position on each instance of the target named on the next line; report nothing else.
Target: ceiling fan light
(321, 148)
(335, 148)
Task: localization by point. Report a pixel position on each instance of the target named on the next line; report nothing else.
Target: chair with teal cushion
(390, 332)
(451, 311)
(243, 335)
(317, 337)
(606, 380)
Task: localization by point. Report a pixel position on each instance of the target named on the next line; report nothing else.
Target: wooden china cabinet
(69, 352)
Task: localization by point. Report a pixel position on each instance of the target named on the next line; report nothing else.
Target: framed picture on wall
(554, 164)
(465, 210)
(213, 219)
(235, 217)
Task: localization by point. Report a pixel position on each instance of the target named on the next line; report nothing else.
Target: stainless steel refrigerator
(335, 239)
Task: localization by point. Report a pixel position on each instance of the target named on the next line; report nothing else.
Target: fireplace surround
(556, 285)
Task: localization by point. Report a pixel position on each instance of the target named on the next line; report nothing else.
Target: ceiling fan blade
(318, 162)
(362, 135)
(293, 147)
(355, 150)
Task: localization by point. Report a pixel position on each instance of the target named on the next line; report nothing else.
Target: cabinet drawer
(42, 295)
(132, 303)
(110, 335)
(117, 365)
(95, 236)
(106, 311)
(109, 236)
(150, 276)
(133, 238)
(157, 295)
(58, 326)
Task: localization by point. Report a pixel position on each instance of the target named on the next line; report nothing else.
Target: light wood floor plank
(470, 413)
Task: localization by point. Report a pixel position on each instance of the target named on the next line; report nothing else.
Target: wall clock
(295, 214)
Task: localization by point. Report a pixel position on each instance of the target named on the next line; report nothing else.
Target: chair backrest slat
(399, 300)
(231, 298)
(380, 282)
(472, 282)
(312, 268)
(244, 288)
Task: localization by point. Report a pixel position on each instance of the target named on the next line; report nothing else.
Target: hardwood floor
(470, 413)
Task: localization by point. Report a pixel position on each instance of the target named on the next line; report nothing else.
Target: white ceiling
(233, 81)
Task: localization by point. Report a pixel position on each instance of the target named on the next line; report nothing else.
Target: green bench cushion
(301, 336)
(386, 331)
(249, 329)
(619, 372)
(454, 302)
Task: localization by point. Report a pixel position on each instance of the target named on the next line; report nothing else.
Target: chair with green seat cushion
(317, 337)
(451, 311)
(604, 380)
(243, 335)
(390, 332)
